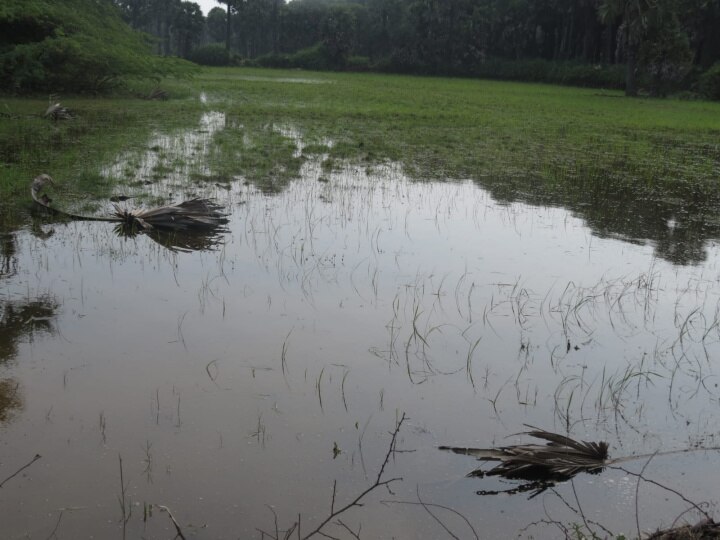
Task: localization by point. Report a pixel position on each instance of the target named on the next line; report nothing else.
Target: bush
(214, 54)
(281, 61)
(709, 83)
(358, 63)
(545, 71)
(73, 45)
(313, 58)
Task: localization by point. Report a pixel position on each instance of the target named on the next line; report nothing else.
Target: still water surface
(247, 378)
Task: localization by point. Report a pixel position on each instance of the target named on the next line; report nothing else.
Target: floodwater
(248, 383)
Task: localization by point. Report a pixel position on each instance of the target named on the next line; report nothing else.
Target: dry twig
(13, 475)
(178, 530)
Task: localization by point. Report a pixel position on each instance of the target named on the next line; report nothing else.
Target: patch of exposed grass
(256, 152)
(466, 128)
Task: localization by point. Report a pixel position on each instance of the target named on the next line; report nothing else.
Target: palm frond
(194, 214)
(560, 458)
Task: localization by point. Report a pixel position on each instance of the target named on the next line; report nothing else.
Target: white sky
(207, 5)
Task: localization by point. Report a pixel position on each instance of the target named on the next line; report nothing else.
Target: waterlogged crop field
(409, 263)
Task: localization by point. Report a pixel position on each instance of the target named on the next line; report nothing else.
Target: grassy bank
(543, 141)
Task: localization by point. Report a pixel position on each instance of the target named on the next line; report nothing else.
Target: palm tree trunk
(228, 30)
(630, 72)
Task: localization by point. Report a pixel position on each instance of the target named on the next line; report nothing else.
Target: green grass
(537, 142)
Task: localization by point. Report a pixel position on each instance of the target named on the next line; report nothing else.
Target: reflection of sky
(172, 157)
(338, 271)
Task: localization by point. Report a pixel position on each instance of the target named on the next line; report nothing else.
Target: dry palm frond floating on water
(559, 459)
(199, 217)
(195, 214)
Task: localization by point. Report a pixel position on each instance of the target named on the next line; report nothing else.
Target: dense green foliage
(177, 25)
(71, 45)
(214, 54)
(656, 41)
(710, 82)
(661, 45)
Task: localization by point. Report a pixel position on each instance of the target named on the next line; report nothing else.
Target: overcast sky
(207, 5)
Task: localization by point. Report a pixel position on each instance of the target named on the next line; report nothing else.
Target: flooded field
(349, 322)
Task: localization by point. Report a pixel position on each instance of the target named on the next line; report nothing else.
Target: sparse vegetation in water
(346, 289)
(539, 143)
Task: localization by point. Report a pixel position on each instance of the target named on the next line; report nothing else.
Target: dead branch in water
(21, 469)
(427, 505)
(178, 530)
(335, 512)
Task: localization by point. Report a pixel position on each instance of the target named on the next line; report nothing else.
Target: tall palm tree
(633, 25)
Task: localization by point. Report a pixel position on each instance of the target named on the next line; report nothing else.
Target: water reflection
(19, 321)
(8, 259)
(177, 241)
(677, 221)
(256, 369)
(11, 400)
(339, 301)
(169, 161)
(23, 320)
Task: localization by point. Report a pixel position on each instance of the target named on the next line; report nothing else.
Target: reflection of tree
(10, 399)
(678, 222)
(18, 320)
(8, 260)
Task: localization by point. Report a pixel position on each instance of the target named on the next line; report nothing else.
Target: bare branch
(13, 475)
(440, 506)
(178, 530)
(356, 501)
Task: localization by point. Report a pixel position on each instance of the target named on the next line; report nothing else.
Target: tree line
(662, 43)
(656, 45)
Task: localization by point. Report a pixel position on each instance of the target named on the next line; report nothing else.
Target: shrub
(709, 83)
(272, 61)
(73, 45)
(358, 63)
(545, 71)
(313, 58)
(214, 54)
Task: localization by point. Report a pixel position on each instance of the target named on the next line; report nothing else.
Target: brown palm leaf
(560, 458)
(194, 214)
